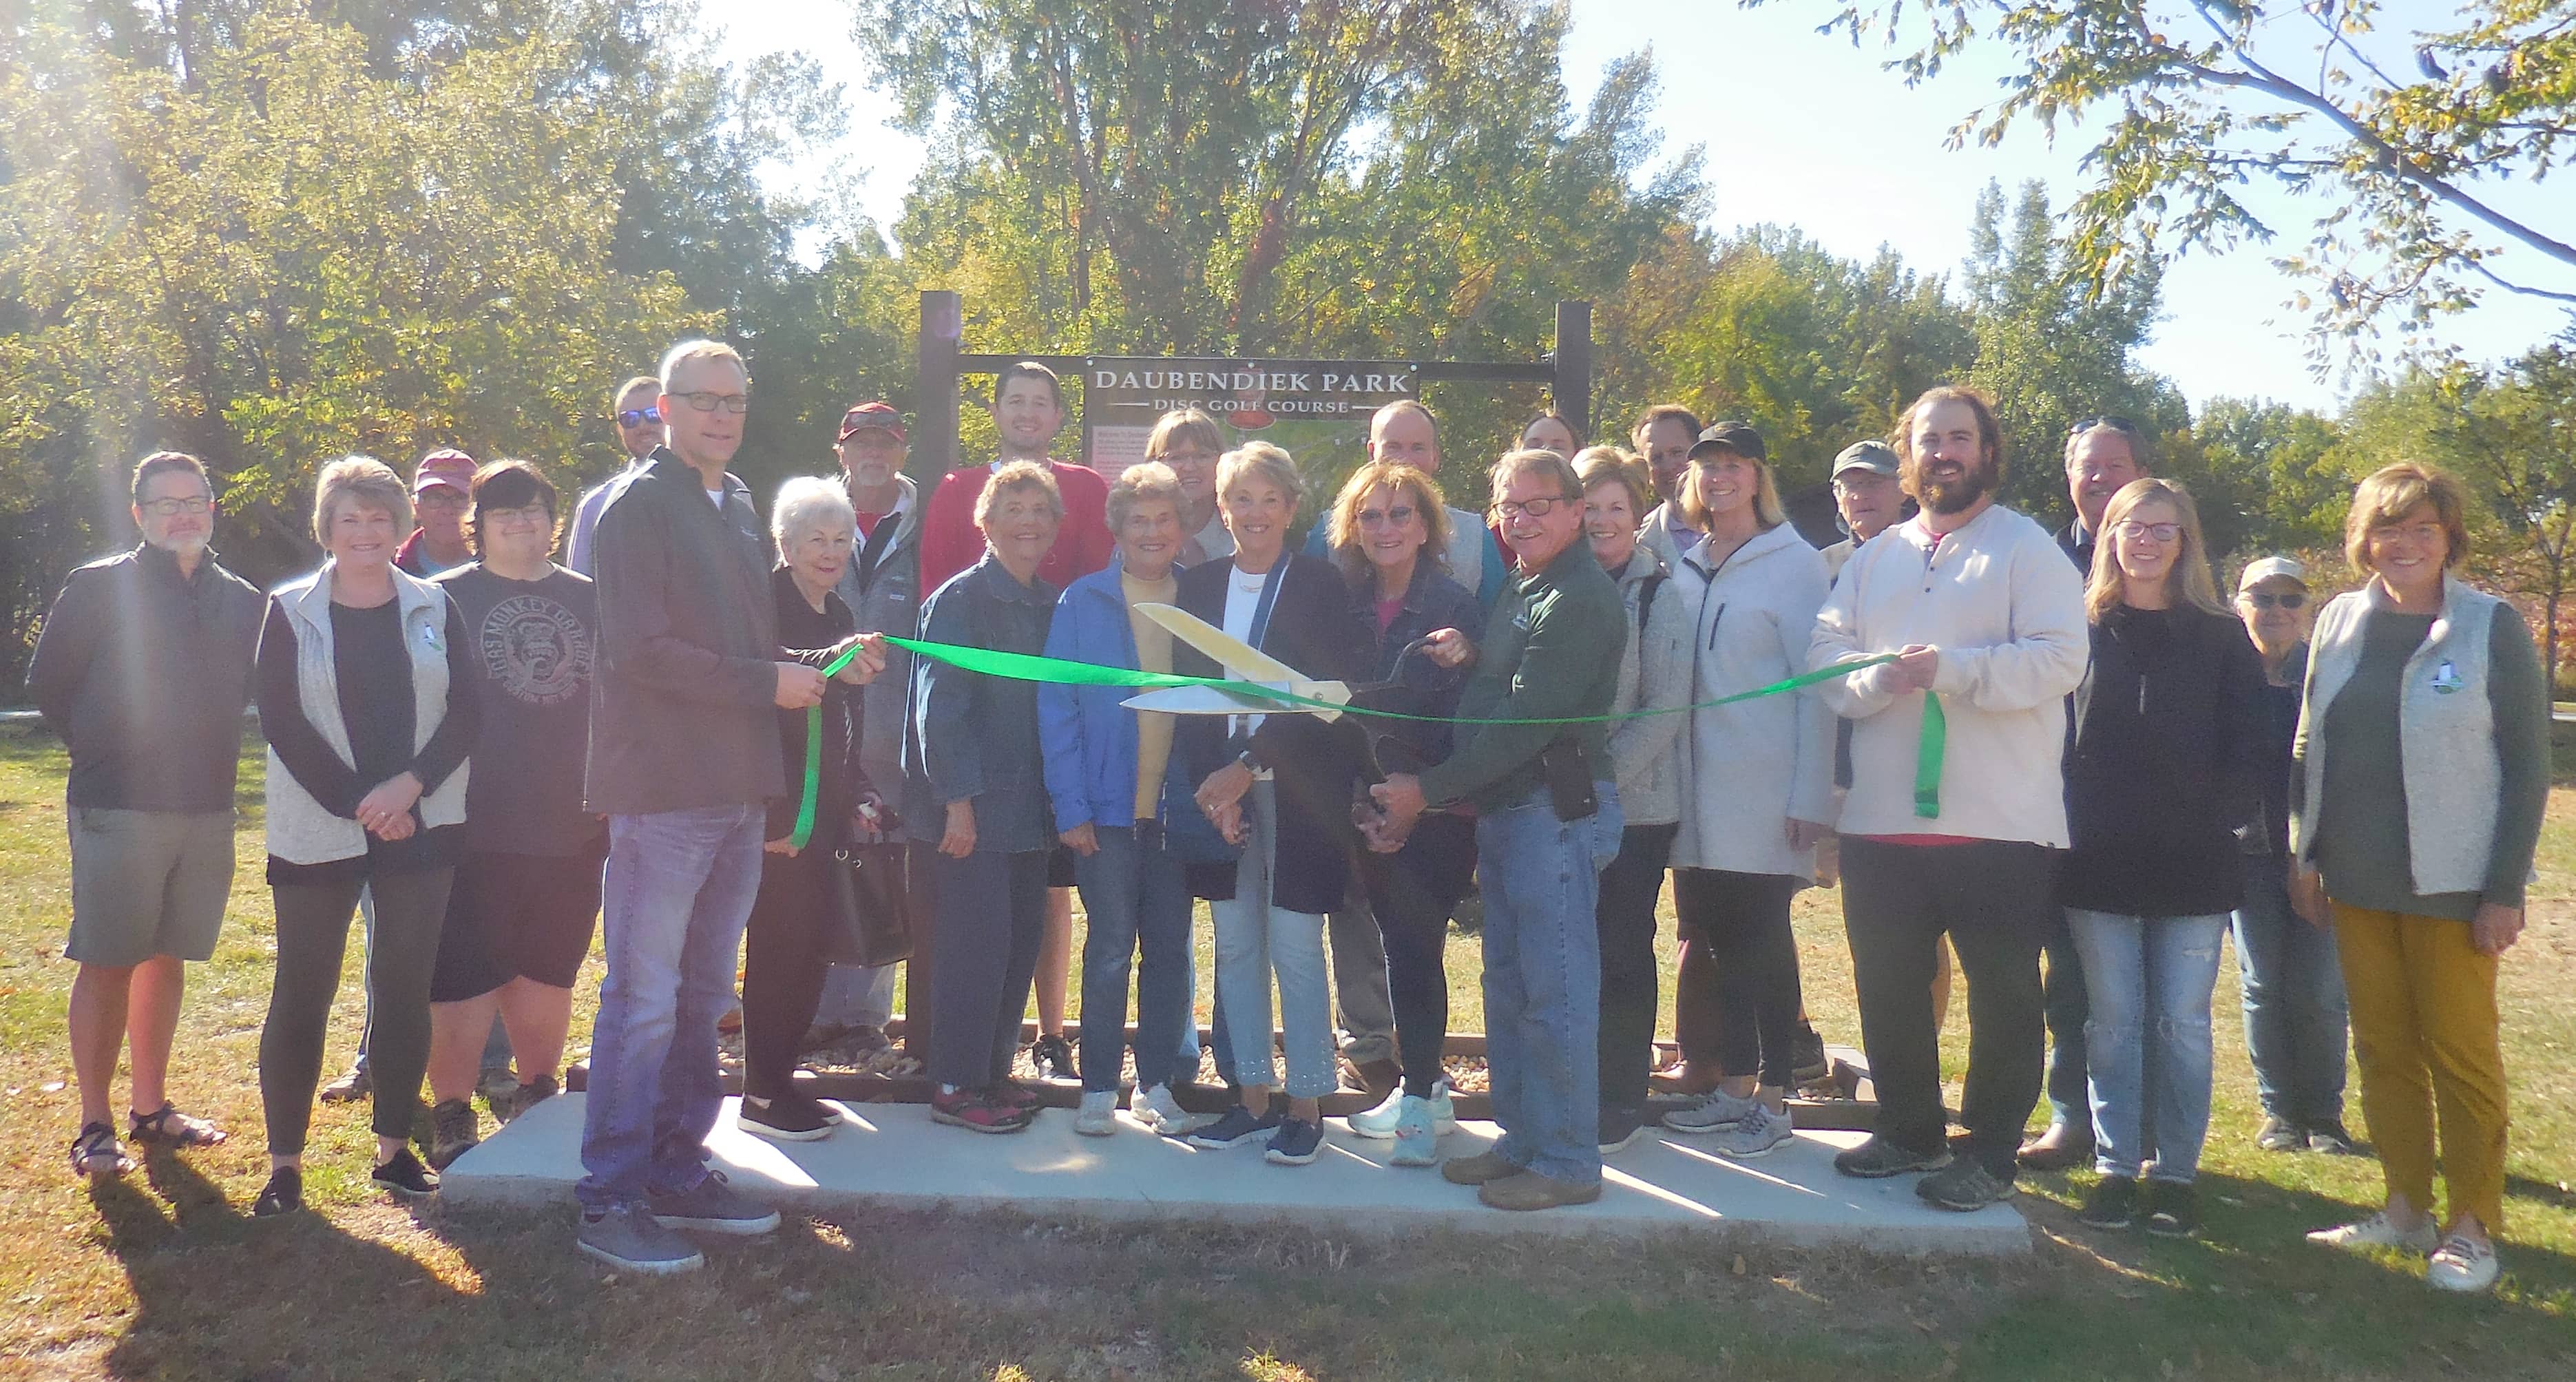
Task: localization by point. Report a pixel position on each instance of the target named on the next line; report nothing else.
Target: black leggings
(782, 966)
(1413, 891)
(312, 936)
(1626, 913)
(1744, 918)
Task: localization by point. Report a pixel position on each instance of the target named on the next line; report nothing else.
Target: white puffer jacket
(1750, 767)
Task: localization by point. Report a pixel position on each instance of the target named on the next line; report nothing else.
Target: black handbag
(871, 901)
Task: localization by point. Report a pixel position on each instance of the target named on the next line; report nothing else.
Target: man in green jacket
(1548, 819)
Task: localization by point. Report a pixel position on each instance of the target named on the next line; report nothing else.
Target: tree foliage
(2412, 140)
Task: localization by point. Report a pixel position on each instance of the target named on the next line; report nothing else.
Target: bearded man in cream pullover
(1986, 615)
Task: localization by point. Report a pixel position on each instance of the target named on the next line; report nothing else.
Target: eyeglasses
(524, 516)
(1395, 517)
(172, 508)
(1535, 508)
(637, 417)
(2116, 424)
(439, 498)
(2287, 599)
(2161, 532)
(1175, 458)
(707, 402)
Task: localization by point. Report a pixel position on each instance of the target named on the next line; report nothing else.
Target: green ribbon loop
(1927, 758)
(1024, 667)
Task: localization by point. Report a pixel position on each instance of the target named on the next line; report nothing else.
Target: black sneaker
(2332, 1139)
(2113, 1203)
(529, 1095)
(1053, 1056)
(284, 1193)
(2281, 1135)
(1878, 1158)
(1238, 1126)
(1620, 1129)
(405, 1176)
(1295, 1144)
(1807, 1050)
(453, 1132)
(1965, 1186)
(2173, 1209)
(790, 1118)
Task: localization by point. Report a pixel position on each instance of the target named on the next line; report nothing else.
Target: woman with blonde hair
(2162, 772)
(1390, 535)
(2422, 769)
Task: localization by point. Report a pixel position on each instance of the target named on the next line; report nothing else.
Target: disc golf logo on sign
(1316, 410)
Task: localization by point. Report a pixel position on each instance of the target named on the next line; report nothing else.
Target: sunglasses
(637, 417)
(2287, 599)
(2117, 424)
(1398, 516)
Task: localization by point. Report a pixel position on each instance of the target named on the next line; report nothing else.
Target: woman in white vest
(2421, 772)
(1757, 779)
(366, 789)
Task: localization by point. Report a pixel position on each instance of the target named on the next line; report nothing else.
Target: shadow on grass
(2250, 1293)
(219, 1294)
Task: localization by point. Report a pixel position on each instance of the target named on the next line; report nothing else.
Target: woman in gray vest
(2422, 768)
(366, 790)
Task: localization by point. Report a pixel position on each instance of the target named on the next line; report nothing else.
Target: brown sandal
(95, 1153)
(166, 1126)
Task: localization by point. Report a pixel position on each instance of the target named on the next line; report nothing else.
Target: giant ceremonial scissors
(1242, 660)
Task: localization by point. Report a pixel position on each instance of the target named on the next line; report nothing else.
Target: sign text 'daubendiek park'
(1123, 398)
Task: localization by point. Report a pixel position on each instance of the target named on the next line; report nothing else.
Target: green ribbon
(1927, 758)
(993, 662)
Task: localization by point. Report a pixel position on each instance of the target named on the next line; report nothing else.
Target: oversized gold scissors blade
(1244, 661)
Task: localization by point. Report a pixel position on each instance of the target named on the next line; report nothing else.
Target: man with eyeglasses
(442, 488)
(143, 668)
(2102, 456)
(1663, 437)
(684, 759)
(637, 412)
(1547, 822)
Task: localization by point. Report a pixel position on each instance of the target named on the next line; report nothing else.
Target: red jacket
(950, 542)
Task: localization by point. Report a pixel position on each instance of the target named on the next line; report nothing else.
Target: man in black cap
(1867, 496)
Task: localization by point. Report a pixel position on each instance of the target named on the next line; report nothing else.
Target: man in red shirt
(1028, 412)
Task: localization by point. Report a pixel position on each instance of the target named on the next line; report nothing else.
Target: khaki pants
(2424, 1028)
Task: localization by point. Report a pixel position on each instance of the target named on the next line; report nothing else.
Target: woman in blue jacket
(1106, 767)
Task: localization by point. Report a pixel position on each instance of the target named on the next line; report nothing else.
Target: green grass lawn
(164, 1274)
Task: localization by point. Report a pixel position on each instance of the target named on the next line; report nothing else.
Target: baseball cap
(2268, 567)
(879, 414)
(1871, 456)
(448, 467)
(1738, 437)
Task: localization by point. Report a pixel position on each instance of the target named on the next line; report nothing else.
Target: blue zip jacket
(1090, 738)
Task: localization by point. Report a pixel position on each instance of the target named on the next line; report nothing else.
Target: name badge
(2446, 678)
(429, 638)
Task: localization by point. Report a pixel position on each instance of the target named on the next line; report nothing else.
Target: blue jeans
(1255, 940)
(2292, 984)
(678, 888)
(1543, 980)
(2065, 999)
(2147, 1038)
(1137, 898)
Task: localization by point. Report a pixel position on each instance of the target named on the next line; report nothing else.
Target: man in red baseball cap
(441, 488)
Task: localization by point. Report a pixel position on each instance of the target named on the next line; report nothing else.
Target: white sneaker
(1380, 1122)
(2463, 1264)
(2379, 1231)
(1155, 1107)
(1719, 1111)
(1417, 1140)
(1098, 1116)
(1755, 1133)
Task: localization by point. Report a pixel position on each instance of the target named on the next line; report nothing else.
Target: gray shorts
(148, 883)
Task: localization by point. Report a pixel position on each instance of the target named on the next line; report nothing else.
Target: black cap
(1738, 437)
(1871, 456)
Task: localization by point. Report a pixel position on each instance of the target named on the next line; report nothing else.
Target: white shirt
(1242, 602)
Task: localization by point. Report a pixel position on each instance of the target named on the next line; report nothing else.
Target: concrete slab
(892, 1154)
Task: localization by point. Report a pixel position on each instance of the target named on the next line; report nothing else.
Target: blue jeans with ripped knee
(2147, 1037)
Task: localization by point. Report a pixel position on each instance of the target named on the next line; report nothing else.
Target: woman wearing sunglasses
(2290, 978)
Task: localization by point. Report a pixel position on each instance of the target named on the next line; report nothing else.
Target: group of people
(2021, 747)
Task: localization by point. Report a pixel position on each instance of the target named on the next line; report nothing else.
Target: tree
(2412, 140)
(2512, 437)
(2278, 470)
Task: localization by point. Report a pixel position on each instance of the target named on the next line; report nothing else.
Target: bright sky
(1799, 129)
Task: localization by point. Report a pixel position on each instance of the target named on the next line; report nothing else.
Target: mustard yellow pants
(2424, 1029)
